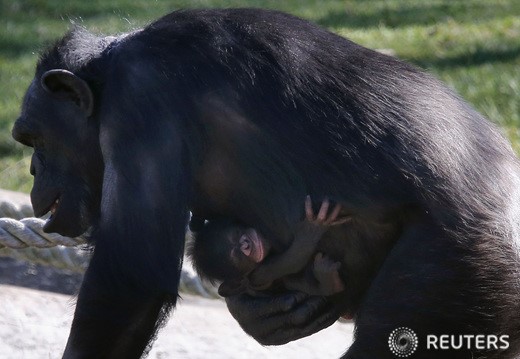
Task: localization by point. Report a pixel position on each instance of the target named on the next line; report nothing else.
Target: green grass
(473, 45)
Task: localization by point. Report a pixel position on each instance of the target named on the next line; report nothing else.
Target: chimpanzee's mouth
(40, 211)
(54, 206)
(53, 209)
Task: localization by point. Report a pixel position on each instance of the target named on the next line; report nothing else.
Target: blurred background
(472, 45)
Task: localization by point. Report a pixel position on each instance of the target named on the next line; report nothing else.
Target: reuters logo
(403, 342)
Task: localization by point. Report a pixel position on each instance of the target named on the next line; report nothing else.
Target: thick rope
(11, 210)
(28, 232)
(24, 239)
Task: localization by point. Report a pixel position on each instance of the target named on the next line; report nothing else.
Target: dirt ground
(36, 307)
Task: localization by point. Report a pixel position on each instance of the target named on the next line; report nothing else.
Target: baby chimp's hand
(326, 273)
(322, 219)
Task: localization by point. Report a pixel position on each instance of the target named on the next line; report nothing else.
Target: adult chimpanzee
(241, 113)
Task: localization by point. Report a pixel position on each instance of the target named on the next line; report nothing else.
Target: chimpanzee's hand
(323, 218)
(311, 229)
(279, 319)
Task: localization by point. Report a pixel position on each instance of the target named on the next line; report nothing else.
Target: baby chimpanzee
(234, 254)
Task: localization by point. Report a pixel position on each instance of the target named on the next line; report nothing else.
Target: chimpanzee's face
(66, 164)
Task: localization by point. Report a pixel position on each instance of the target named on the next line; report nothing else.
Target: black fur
(241, 113)
(213, 262)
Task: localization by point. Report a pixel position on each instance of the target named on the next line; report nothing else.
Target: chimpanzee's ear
(64, 85)
(232, 287)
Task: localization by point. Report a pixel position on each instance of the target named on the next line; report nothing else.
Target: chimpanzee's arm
(133, 276)
(306, 237)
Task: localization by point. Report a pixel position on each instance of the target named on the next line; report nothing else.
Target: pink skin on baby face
(253, 245)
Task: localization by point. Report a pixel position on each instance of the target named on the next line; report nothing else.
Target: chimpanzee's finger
(244, 307)
(309, 319)
(309, 213)
(322, 214)
(332, 217)
(318, 257)
(260, 317)
(340, 221)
